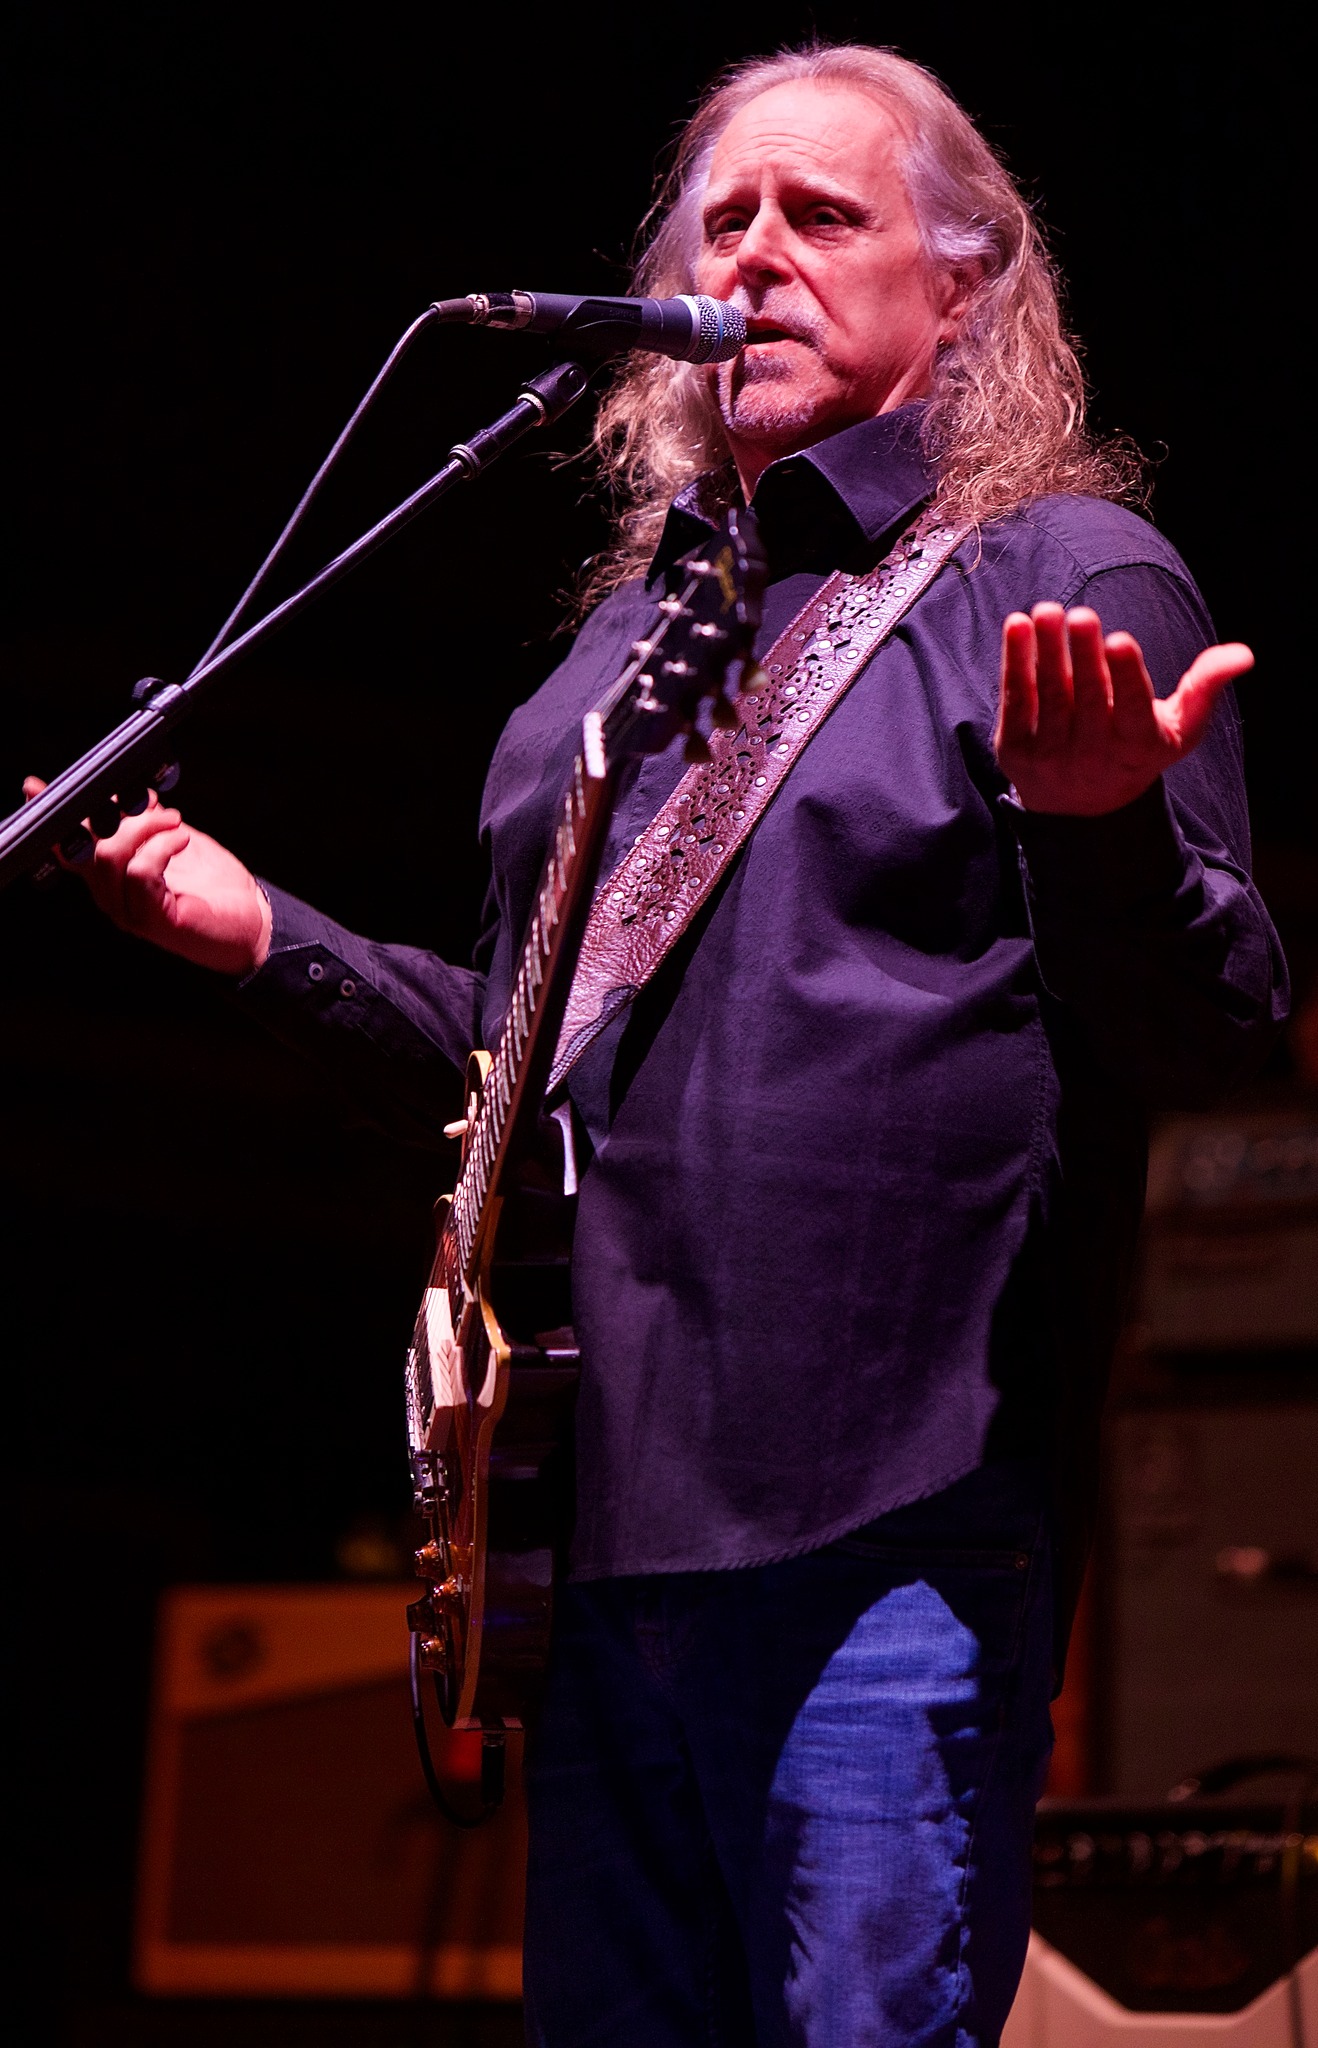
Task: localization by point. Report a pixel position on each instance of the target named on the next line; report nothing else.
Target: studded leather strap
(649, 900)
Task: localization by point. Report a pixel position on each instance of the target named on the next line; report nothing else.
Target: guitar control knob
(429, 1561)
(449, 1592)
(434, 1653)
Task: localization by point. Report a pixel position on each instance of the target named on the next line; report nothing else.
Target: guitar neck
(695, 633)
(519, 1068)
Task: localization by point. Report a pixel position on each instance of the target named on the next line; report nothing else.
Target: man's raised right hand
(164, 881)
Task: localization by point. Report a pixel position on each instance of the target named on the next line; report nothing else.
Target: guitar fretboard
(685, 653)
(504, 1082)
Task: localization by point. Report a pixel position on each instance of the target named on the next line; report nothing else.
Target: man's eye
(725, 224)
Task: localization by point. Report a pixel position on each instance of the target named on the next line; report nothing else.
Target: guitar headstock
(707, 622)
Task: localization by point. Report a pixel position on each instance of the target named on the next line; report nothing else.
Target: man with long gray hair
(865, 1156)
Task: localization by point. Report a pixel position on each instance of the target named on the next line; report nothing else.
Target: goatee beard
(755, 399)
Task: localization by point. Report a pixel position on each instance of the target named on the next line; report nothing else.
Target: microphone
(690, 329)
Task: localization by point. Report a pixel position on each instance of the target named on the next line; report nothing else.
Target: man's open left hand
(1080, 730)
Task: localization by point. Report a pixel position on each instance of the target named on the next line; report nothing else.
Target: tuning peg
(429, 1562)
(165, 778)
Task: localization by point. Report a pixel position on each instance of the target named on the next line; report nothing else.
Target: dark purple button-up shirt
(869, 1151)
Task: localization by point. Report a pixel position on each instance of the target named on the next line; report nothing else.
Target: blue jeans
(793, 1804)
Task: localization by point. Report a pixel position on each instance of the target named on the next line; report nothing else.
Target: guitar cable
(493, 1755)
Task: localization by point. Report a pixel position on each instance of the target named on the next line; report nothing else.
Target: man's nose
(762, 253)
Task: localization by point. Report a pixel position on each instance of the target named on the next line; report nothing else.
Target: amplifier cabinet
(289, 1844)
(1209, 1642)
(1171, 1925)
(1230, 1247)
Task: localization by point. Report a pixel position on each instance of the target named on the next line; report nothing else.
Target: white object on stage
(1058, 2006)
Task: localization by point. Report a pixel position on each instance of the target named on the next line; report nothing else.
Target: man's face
(807, 227)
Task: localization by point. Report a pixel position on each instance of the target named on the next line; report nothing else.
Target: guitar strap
(649, 900)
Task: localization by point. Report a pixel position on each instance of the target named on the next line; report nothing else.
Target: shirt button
(315, 972)
(348, 988)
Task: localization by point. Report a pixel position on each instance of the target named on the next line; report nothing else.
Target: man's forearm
(1162, 948)
(388, 1024)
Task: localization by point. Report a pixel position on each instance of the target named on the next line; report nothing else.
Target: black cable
(492, 1750)
(303, 506)
(1224, 1777)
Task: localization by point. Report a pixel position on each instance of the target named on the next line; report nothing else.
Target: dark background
(221, 217)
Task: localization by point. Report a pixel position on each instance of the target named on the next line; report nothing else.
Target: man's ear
(957, 290)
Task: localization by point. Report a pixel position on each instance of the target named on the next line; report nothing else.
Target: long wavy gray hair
(1005, 421)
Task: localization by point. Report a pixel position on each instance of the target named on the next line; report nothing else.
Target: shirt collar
(826, 504)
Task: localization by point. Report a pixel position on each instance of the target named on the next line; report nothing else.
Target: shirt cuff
(306, 958)
(293, 925)
(321, 986)
(1109, 863)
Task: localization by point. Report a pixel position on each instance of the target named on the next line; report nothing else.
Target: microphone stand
(113, 777)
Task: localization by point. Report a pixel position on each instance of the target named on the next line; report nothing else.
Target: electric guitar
(492, 1367)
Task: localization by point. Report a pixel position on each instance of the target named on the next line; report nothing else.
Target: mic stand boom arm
(116, 773)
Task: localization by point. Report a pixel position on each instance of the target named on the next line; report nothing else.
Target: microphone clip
(488, 309)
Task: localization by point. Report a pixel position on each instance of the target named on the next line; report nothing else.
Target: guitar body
(492, 1378)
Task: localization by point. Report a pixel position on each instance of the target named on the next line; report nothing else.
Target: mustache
(794, 322)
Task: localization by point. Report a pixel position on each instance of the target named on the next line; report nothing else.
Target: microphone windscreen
(719, 330)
